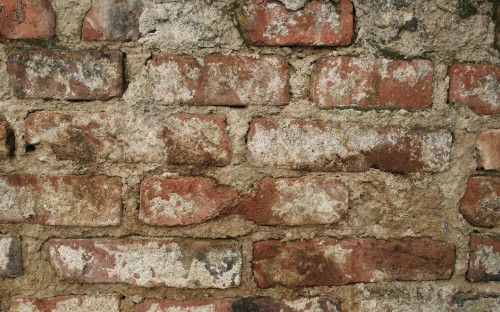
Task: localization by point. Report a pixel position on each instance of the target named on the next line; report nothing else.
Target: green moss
(35, 44)
(466, 9)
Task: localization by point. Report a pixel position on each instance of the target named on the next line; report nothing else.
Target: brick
(488, 150)
(101, 24)
(331, 262)
(329, 146)
(68, 75)
(315, 304)
(11, 259)
(61, 200)
(484, 258)
(476, 86)
(89, 137)
(342, 81)
(317, 23)
(148, 262)
(221, 80)
(480, 204)
(98, 303)
(7, 139)
(298, 201)
(26, 19)
(168, 202)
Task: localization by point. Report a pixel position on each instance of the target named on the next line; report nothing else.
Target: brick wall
(249, 155)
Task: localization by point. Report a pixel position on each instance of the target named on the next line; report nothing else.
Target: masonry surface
(249, 155)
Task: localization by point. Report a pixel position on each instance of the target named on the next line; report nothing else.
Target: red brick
(25, 19)
(481, 202)
(337, 262)
(61, 200)
(90, 137)
(488, 150)
(11, 259)
(484, 258)
(148, 262)
(298, 201)
(98, 303)
(100, 23)
(7, 139)
(341, 81)
(317, 23)
(476, 86)
(69, 75)
(221, 80)
(168, 202)
(330, 146)
(315, 304)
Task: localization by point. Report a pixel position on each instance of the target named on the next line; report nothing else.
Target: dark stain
(15, 265)
(245, 305)
(411, 25)
(466, 9)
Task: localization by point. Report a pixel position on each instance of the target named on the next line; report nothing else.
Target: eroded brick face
(168, 202)
(484, 258)
(480, 204)
(148, 262)
(221, 80)
(87, 136)
(314, 304)
(101, 303)
(11, 261)
(68, 75)
(329, 146)
(331, 262)
(60, 200)
(379, 83)
(488, 150)
(476, 86)
(317, 23)
(22, 19)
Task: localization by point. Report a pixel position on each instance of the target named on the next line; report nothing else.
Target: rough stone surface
(101, 303)
(87, 136)
(331, 262)
(380, 83)
(297, 201)
(481, 202)
(328, 146)
(148, 262)
(69, 75)
(476, 86)
(168, 202)
(222, 80)
(488, 150)
(23, 19)
(318, 23)
(60, 200)
(484, 258)
(11, 259)
(6, 136)
(112, 20)
(315, 304)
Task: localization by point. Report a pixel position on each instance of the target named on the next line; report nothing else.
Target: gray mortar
(382, 204)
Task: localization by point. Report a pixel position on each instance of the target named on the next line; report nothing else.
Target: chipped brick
(484, 258)
(488, 150)
(100, 303)
(26, 19)
(480, 204)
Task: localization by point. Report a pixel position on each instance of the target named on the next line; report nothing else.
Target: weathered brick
(481, 202)
(476, 86)
(148, 262)
(484, 258)
(112, 20)
(11, 259)
(329, 146)
(7, 139)
(298, 201)
(341, 81)
(315, 304)
(69, 75)
(488, 150)
(21, 19)
(98, 303)
(168, 202)
(221, 80)
(60, 200)
(87, 136)
(337, 262)
(316, 23)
